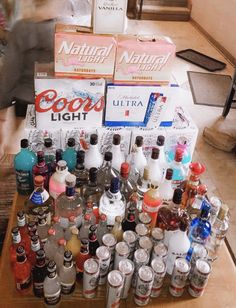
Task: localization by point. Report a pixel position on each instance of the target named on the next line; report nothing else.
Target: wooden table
(220, 291)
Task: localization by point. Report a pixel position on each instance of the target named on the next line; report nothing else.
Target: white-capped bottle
(117, 154)
(57, 182)
(52, 286)
(67, 274)
(93, 157)
(154, 167)
(138, 160)
(166, 190)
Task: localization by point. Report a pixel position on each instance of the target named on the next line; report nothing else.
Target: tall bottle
(112, 202)
(138, 159)
(23, 164)
(80, 172)
(51, 244)
(162, 156)
(67, 274)
(152, 202)
(49, 151)
(154, 167)
(93, 157)
(179, 172)
(39, 273)
(81, 258)
(57, 182)
(69, 203)
(106, 172)
(166, 190)
(117, 154)
(117, 230)
(35, 246)
(59, 254)
(127, 185)
(102, 228)
(52, 286)
(143, 185)
(41, 168)
(22, 271)
(70, 155)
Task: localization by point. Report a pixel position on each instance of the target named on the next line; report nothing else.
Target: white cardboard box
(81, 136)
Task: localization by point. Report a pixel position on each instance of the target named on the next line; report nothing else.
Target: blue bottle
(70, 154)
(200, 228)
(23, 164)
(186, 154)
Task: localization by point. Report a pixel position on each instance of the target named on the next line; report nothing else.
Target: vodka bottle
(52, 286)
(69, 203)
(166, 190)
(112, 202)
(39, 273)
(89, 210)
(81, 258)
(162, 156)
(70, 155)
(84, 230)
(51, 244)
(154, 167)
(143, 185)
(74, 243)
(42, 227)
(59, 253)
(59, 232)
(117, 154)
(93, 157)
(106, 172)
(57, 182)
(49, 151)
(41, 168)
(102, 228)
(179, 172)
(23, 164)
(22, 271)
(127, 185)
(137, 160)
(67, 232)
(117, 230)
(67, 274)
(215, 208)
(194, 208)
(80, 172)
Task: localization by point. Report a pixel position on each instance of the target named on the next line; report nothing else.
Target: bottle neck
(21, 258)
(35, 246)
(116, 148)
(40, 262)
(52, 275)
(84, 249)
(16, 238)
(93, 148)
(67, 264)
(70, 191)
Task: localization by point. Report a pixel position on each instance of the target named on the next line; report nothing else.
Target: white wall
(217, 18)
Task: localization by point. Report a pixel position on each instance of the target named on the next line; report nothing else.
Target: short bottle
(117, 230)
(74, 243)
(179, 172)
(59, 254)
(194, 208)
(84, 230)
(143, 185)
(215, 208)
(106, 172)
(166, 190)
(42, 227)
(39, 273)
(117, 153)
(70, 155)
(112, 202)
(23, 164)
(102, 228)
(137, 160)
(127, 185)
(93, 241)
(51, 244)
(93, 157)
(154, 167)
(22, 271)
(80, 172)
(67, 274)
(129, 223)
(52, 286)
(49, 151)
(35, 246)
(41, 168)
(16, 241)
(182, 144)
(81, 258)
(58, 156)
(23, 229)
(57, 182)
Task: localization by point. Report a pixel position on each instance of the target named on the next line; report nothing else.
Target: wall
(218, 19)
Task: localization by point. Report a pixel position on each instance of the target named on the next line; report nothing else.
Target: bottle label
(171, 260)
(23, 181)
(38, 288)
(52, 299)
(25, 284)
(39, 197)
(67, 288)
(150, 209)
(112, 196)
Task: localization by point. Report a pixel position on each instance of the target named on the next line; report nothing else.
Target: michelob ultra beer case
(67, 103)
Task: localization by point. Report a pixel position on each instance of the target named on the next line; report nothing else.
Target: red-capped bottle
(127, 185)
(16, 241)
(81, 258)
(23, 229)
(35, 246)
(22, 271)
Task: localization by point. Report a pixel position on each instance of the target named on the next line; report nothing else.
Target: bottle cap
(56, 219)
(84, 242)
(154, 184)
(34, 238)
(51, 231)
(89, 204)
(72, 218)
(93, 139)
(14, 231)
(52, 267)
(61, 165)
(115, 185)
(169, 174)
(139, 141)
(155, 153)
(20, 250)
(179, 154)
(24, 143)
(87, 217)
(202, 189)
(40, 156)
(38, 180)
(93, 174)
(21, 215)
(62, 242)
(197, 168)
(93, 228)
(48, 142)
(116, 139)
(70, 180)
(108, 156)
(103, 217)
(80, 156)
(41, 214)
(40, 254)
(118, 219)
(59, 154)
(160, 140)
(71, 142)
(124, 169)
(177, 197)
(68, 255)
(183, 226)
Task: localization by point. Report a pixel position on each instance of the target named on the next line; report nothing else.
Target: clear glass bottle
(117, 154)
(23, 229)
(137, 158)
(89, 210)
(35, 246)
(93, 241)
(57, 227)
(52, 286)
(93, 157)
(70, 155)
(162, 156)
(57, 182)
(74, 242)
(58, 157)
(129, 223)
(67, 274)
(117, 230)
(102, 228)
(22, 271)
(67, 232)
(154, 167)
(84, 230)
(81, 258)
(16, 241)
(41, 168)
(179, 172)
(143, 185)
(51, 244)
(23, 164)
(127, 185)
(49, 151)
(59, 253)
(39, 273)
(69, 204)
(106, 172)
(112, 202)
(194, 208)
(166, 190)
(216, 204)
(81, 173)
(42, 227)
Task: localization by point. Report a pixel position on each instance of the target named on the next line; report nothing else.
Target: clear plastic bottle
(67, 232)
(137, 158)
(93, 157)
(70, 155)
(155, 168)
(57, 227)
(67, 274)
(118, 155)
(106, 172)
(166, 190)
(89, 210)
(52, 286)
(57, 182)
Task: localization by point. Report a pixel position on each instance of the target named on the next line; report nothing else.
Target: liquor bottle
(57, 182)
(93, 241)
(143, 185)
(166, 190)
(179, 245)
(162, 156)
(52, 286)
(23, 229)
(106, 172)
(129, 223)
(127, 185)
(154, 167)
(151, 202)
(112, 202)
(169, 216)
(35, 246)
(200, 228)
(51, 244)
(58, 157)
(92, 191)
(32, 229)
(90, 212)
(67, 232)
(69, 203)
(23, 164)
(80, 172)
(16, 241)
(194, 208)
(117, 154)
(39, 273)
(102, 228)
(42, 227)
(215, 208)
(196, 169)
(39, 199)
(59, 231)
(59, 253)
(70, 155)
(67, 274)
(49, 151)
(84, 230)
(182, 144)
(179, 173)
(74, 243)
(41, 168)
(137, 159)
(22, 271)
(93, 157)
(117, 230)
(81, 258)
